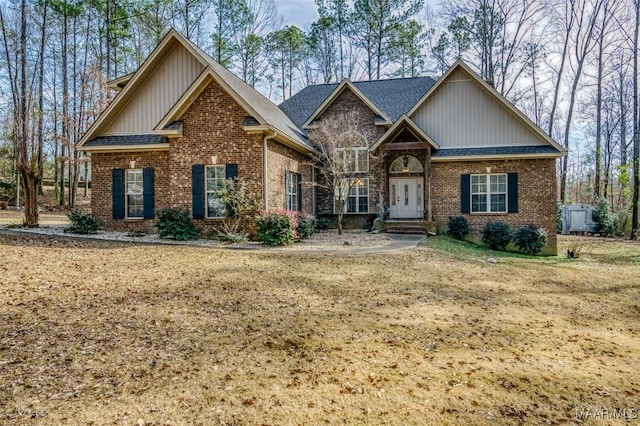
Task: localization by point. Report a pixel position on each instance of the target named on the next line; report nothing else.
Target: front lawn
(101, 333)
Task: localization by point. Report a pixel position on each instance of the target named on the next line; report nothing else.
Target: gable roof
(393, 97)
(404, 123)
(560, 150)
(256, 104)
(346, 84)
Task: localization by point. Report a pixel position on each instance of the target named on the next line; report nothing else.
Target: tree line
(570, 65)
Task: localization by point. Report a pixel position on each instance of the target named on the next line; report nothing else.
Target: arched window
(406, 164)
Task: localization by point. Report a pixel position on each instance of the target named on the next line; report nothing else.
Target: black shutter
(117, 193)
(197, 191)
(512, 191)
(299, 192)
(465, 193)
(147, 193)
(231, 171)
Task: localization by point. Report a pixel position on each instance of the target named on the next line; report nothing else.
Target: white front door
(406, 198)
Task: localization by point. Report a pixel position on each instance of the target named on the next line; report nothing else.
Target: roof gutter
(125, 148)
(436, 159)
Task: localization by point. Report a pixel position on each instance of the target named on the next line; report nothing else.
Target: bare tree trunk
(583, 46)
(556, 90)
(636, 129)
(107, 21)
(598, 153)
(65, 107)
(41, 98)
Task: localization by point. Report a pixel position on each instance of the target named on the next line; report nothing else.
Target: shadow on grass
(463, 250)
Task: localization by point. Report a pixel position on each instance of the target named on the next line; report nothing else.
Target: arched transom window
(406, 164)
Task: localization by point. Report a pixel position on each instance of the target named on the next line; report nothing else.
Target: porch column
(427, 162)
(382, 179)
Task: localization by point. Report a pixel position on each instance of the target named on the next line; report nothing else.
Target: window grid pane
(498, 202)
(363, 159)
(479, 203)
(489, 193)
(215, 177)
(134, 190)
(291, 189)
(357, 196)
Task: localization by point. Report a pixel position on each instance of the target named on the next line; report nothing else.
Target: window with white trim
(489, 193)
(214, 180)
(291, 184)
(356, 196)
(134, 188)
(354, 160)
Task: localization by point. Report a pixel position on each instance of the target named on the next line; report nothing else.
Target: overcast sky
(298, 12)
(303, 12)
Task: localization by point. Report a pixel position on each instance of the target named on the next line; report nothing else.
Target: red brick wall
(212, 126)
(280, 159)
(101, 200)
(348, 101)
(537, 194)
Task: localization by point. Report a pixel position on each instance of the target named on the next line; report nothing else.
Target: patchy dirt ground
(96, 333)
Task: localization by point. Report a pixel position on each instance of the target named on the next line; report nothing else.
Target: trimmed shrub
(175, 223)
(82, 223)
(306, 226)
(458, 227)
(323, 223)
(276, 229)
(496, 235)
(530, 239)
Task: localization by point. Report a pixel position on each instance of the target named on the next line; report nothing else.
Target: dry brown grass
(102, 333)
(13, 217)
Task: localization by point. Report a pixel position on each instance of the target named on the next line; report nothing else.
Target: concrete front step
(399, 230)
(407, 226)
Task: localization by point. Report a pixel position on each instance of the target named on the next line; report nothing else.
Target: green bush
(176, 224)
(82, 223)
(530, 239)
(496, 235)
(623, 222)
(458, 227)
(7, 191)
(306, 226)
(605, 221)
(276, 229)
(559, 206)
(323, 223)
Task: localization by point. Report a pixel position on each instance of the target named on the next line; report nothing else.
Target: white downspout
(265, 184)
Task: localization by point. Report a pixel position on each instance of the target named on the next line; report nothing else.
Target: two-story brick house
(182, 123)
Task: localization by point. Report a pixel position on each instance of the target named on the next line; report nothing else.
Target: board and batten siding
(460, 113)
(155, 98)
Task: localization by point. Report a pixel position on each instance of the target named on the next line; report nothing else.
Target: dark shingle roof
(495, 150)
(395, 96)
(127, 140)
(174, 126)
(250, 121)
